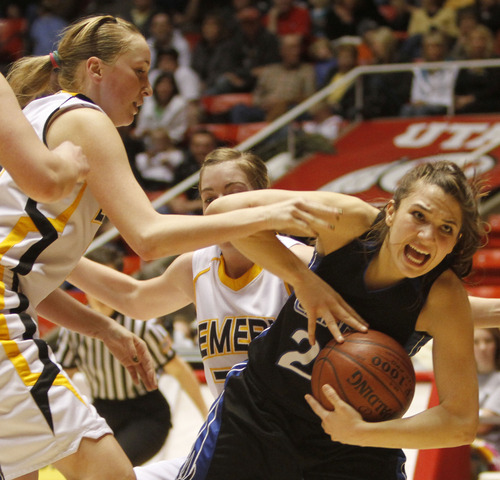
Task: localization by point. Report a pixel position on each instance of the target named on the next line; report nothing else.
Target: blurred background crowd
(223, 63)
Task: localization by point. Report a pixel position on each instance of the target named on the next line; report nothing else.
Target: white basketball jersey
(41, 243)
(232, 312)
(43, 417)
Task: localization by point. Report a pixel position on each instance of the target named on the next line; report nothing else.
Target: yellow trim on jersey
(237, 283)
(25, 225)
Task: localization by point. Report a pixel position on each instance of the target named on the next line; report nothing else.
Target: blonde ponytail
(30, 78)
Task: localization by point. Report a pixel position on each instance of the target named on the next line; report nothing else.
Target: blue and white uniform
(262, 428)
(42, 416)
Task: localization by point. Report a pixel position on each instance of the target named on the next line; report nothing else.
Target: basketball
(370, 371)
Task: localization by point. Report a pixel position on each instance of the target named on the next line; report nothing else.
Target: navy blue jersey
(281, 358)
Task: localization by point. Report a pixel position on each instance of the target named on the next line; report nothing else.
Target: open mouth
(416, 256)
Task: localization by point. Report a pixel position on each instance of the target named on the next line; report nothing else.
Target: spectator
(230, 9)
(186, 78)
(46, 27)
(189, 14)
(319, 11)
(385, 93)
(431, 89)
(433, 15)
(279, 86)
(323, 122)
(165, 109)
(341, 100)
(129, 409)
(246, 52)
(133, 146)
(488, 13)
(486, 447)
(157, 164)
(140, 14)
(209, 58)
(286, 17)
(163, 35)
(347, 15)
(200, 144)
(466, 22)
(322, 54)
(398, 15)
(12, 34)
(477, 90)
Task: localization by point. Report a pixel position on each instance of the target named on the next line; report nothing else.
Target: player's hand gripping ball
(370, 371)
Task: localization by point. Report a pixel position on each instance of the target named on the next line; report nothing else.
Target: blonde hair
(252, 165)
(103, 36)
(488, 37)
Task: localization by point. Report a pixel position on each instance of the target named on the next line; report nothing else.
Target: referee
(129, 409)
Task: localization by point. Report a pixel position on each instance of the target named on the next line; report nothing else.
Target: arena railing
(352, 77)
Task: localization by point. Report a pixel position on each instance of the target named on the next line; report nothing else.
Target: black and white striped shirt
(106, 376)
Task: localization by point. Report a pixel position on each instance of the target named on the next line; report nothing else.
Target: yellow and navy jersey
(41, 243)
(232, 312)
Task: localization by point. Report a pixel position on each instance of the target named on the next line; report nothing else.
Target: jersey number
(294, 359)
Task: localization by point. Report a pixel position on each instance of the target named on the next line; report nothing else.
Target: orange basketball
(370, 371)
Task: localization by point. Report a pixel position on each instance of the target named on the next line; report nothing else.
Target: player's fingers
(316, 407)
(311, 328)
(133, 373)
(344, 313)
(146, 369)
(148, 377)
(331, 395)
(331, 323)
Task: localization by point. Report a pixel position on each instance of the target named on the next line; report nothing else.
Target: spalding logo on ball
(370, 371)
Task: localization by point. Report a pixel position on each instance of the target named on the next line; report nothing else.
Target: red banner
(372, 156)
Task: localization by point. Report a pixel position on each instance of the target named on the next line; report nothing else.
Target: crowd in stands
(269, 55)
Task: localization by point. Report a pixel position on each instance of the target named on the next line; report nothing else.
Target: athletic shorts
(43, 417)
(249, 437)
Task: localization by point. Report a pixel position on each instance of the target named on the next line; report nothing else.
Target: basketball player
(42, 174)
(235, 299)
(401, 270)
(106, 60)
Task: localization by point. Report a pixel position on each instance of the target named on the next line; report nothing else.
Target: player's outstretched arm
(317, 298)
(128, 348)
(150, 234)
(44, 175)
(139, 299)
(485, 312)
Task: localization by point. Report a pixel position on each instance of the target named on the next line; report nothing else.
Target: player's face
(422, 231)
(484, 350)
(125, 83)
(222, 179)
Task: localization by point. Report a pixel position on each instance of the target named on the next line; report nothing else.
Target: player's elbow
(47, 190)
(145, 245)
(466, 429)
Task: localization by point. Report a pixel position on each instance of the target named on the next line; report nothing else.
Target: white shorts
(164, 470)
(43, 417)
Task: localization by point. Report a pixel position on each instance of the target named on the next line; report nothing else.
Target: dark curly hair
(452, 180)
